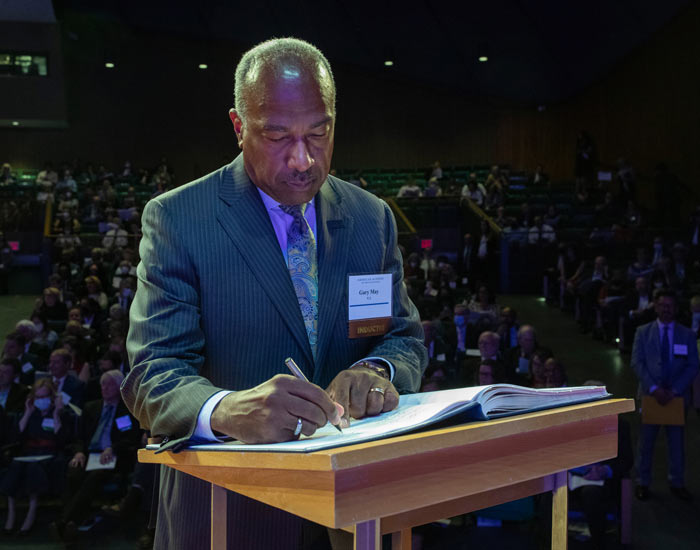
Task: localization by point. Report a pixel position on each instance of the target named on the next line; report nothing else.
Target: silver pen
(296, 371)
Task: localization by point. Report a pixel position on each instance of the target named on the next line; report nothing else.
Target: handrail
(399, 211)
(47, 219)
(483, 215)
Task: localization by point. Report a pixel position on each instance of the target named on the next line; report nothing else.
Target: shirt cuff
(392, 370)
(203, 430)
(608, 471)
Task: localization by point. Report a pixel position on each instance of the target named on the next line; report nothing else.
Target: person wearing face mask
(43, 431)
(45, 338)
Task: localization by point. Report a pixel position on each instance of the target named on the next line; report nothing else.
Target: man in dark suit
(108, 429)
(665, 360)
(15, 344)
(12, 395)
(66, 382)
(221, 300)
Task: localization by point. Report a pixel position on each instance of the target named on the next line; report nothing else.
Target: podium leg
(401, 540)
(368, 536)
(560, 510)
(218, 517)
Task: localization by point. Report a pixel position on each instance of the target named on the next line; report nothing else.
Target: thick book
(420, 410)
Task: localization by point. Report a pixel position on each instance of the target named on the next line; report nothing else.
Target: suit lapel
(334, 231)
(245, 220)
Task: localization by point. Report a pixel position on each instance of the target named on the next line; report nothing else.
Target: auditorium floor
(661, 522)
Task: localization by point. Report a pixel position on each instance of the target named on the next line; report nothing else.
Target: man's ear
(237, 126)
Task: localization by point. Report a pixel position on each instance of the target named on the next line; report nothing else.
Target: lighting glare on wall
(109, 65)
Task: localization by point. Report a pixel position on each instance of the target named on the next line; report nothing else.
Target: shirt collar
(272, 205)
(661, 325)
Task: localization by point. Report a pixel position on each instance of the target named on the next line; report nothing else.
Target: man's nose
(299, 157)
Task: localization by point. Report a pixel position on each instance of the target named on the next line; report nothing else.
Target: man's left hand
(352, 388)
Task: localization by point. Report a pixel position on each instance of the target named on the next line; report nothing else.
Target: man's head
(9, 367)
(487, 373)
(600, 263)
(665, 305)
(59, 363)
(284, 118)
(27, 329)
(109, 383)
(509, 316)
(74, 314)
(641, 285)
(488, 344)
(527, 339)
(14, 345)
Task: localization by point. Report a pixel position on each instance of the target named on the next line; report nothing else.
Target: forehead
(290, 88)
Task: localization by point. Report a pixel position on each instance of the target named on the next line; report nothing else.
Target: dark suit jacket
(125, 442)
(16, 398)
(646, 359)
(215, 308)
(74, 387)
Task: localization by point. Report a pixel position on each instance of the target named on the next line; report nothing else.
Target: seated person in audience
(457, 340)
(539, 177)
(66, 382)
(116, 236)
(554, 373)
(664, 276)
(680, 267)
(538, 375)
(508, 329)
(494, 197)
(409, 190)
(659, 250)
(434, 343)
(45, 338)
(93, 290)
(474, 193)
(67, 240)
(93, 212)
(694, 321)
(633, 215)
(518, 358)
(123, 271)
(436, 171)
(29, 363)
(12, 394)
(541, 233)
(29, 332)
(489, 344)
(527, 216)
(641, 267)
(637, 310)
(500, 217)
(111, 360)
(51, 305)
(125, 296)
(552, 217)
(433, 189)
(611, 304)
(490, 372)
(43, 430)
(113, 435)
(598, 485)
(588, 289)
(483, 312)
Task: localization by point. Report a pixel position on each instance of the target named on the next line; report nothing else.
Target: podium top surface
(361, 454)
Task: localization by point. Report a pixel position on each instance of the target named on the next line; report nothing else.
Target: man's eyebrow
(274, 128)
(326, 120)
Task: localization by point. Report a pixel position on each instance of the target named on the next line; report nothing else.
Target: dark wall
(33, 100)
(157, 103)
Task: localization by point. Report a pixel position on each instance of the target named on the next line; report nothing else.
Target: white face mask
(42, 403)
(39, 327)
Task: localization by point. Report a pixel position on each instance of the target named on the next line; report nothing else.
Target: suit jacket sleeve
(639, 360)
(165, 343)
(682, 383)
(403, 344)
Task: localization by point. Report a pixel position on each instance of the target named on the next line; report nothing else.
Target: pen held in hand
(296, 371)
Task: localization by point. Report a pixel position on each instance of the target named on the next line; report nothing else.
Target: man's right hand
(663, 396)
(268, 413)
(78, 460)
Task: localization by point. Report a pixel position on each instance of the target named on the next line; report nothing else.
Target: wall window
(23, 64)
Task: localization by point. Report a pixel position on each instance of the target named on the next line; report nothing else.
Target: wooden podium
(392, 485)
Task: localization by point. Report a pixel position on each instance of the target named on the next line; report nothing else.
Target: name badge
(369, 304)
(47, 424)
(523, 365)
(680, 349)
(123, 423)
(441, 357)
(66, 398)
(27, 367)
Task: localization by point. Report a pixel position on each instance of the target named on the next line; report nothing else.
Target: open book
(419, 410)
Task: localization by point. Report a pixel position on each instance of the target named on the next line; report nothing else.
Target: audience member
(43, 431)
(665, 360)
(518, 358)
(66, 383)
(12, 394)
(109, 433)
(538, 374)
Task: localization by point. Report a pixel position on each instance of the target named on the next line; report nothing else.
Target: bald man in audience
(518, 358)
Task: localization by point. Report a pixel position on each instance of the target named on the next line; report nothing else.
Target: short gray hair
(115, 374)
(271, 54)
